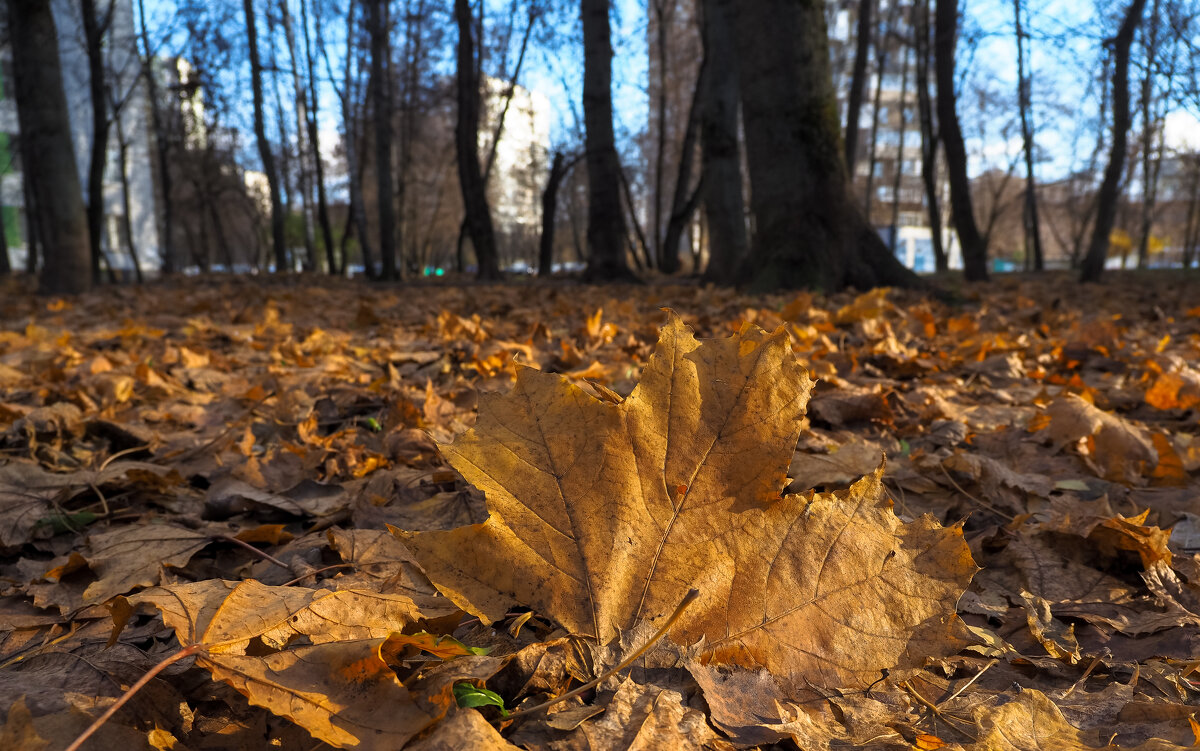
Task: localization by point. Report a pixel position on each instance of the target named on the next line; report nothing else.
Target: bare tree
(49, 159)
(974, 248)
(1106, 201)
(929, 135)
(466, 139)
(314, 143)
(858, 79)
(1033, 234)
(95, 26)
(278, 241)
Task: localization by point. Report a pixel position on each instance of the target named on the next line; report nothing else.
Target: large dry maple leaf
(604, 515)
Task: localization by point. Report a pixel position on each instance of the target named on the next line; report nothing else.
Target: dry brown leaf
(225, 615)
(130, 557)
(344, 692)
(603, 516)
(463, 729)
(1123, 452)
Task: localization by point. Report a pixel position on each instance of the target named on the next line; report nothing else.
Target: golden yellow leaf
(588, 525)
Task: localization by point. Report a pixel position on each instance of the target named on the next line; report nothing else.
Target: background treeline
(748, 142)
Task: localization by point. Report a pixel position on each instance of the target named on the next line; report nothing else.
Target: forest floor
(260, 472)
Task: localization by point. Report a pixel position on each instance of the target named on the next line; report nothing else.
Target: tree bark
(974, 247)
(377, 26)
(49, 155)
(161, 146)
(1033, 231)
(685, 197)
(94, 29)
(606, 223)
(466, 142)
(560, 168)
(279, 243)
(808, 232)
(1106, 201)
(721, 167)
(300, 102)
(858, 81)
(929, 137)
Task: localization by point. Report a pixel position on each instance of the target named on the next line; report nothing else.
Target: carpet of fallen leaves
(266, 475)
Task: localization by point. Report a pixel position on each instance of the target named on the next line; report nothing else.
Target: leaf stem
(141, 683)
(688, 599)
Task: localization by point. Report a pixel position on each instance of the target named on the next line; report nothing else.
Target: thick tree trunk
(377, 26)
(278, 241)
(808, 232)
(1106, 201)
(49, 156)
(606, 223)
(1033, 231)
(858, 81)
(94, 29)
(466, 143)
(974, 247)
(929, 138)
(721, 167)
(161, 146)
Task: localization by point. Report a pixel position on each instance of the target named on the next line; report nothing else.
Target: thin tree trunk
(161, 146)
(974, 247)
(264, 146)
(606, 223)
(1106, 201)
(127, 209)
(1033, 233)
(49, 158)
(929, 137)
(721, 168)
(858, 81)
(1151, 157)
(898, 177)
(300, 99)
(314, 143)
(660, 153)
(685, 198)
(466, 139)
(5, 263)
(881, 59)
(377, 25)
(642, 260)
(560, 168)
(33, 233)
(94, 29)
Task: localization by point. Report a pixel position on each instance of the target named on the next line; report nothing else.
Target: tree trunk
(161, 145)
(314, 143)
(858, 81)
(5, 263)
(606, 223)
(898, 177)
(929, 137)
(94, 29)
(1151, 157)
(49, 155)
(558, 170)
(974, 247)
(300, 101)
(881, 59)
(33, 232)
(721, 167)
(1106, 201)
(685, 198)
(377, 25)
(808, 232)
(278, 241)
(127, 208)
(1033, 232)
(466, 142)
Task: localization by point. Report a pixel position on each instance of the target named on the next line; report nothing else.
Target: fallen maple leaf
(603, 516)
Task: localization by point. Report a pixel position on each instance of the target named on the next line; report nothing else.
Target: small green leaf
(905, 449)
(67, 522)
(374, 425)
(470, 695)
